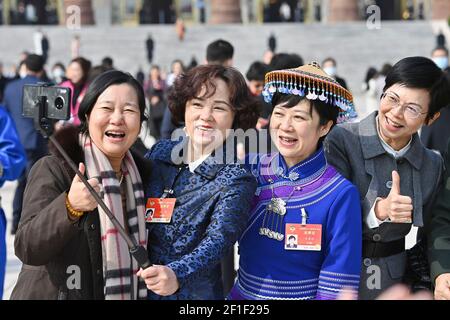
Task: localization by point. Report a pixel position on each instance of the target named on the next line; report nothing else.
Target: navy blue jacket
(211, 212)
(30, 138)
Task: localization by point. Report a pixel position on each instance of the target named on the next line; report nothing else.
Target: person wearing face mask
(436, 135)
(330, 68)
(22, 70)
(58, 73)
(440, 56)
(397, 177)
(300, 197)
(206, 192)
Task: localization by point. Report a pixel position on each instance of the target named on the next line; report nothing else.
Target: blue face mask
(331, 71)
(441, 62)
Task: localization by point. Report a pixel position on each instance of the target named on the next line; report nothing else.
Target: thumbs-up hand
(79, 196)
(396, 207)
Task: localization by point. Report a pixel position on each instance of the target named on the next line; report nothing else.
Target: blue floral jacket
(211, 212)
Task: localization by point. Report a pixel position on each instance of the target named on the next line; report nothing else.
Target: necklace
(121, 177)
(274, 215)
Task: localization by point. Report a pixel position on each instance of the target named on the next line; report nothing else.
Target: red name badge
(303, 237)
(159, 210)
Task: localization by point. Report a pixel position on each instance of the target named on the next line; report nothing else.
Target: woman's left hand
(160, 279)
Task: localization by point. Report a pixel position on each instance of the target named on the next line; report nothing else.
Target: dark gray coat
(357, 153)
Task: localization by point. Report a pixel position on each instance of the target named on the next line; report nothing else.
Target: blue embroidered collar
(279, 170)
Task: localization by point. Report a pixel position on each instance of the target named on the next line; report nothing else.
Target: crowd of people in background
(406, 112)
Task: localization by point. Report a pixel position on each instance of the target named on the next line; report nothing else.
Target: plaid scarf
(119, 268)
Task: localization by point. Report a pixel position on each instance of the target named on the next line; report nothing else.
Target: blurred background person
(255, 81)
(77, 75)
(370, 91)
(439, 55)
(58, 73)
(220, 52)
(155, 91)
(108, 63)
(177, 68)
(329, 65)
(34, 143)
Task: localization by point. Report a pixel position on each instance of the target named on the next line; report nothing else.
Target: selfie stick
(46, 127)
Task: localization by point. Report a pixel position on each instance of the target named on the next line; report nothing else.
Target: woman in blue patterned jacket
(210, 191)
(303, 239)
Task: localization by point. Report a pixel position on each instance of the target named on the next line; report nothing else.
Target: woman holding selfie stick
(69, 248)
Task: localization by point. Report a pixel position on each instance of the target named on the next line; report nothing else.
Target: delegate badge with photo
(159, 210)
(303, 237)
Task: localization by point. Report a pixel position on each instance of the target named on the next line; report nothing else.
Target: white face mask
(22, 74)
(58, 73)
(331, 71)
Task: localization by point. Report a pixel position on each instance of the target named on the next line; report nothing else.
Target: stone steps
(353, 45)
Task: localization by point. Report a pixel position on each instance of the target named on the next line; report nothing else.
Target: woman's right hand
(160, 279)
(79, 196)
(396, 207)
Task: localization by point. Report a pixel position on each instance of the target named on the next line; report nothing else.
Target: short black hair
(292, 237)
(99, 85)
(95, 71)
(285, 61)
(421, 73)
(219, 51)
(330, 59)
(107, 62)
(325, 110)
(257, 71)
(59, 64)
(34, 62)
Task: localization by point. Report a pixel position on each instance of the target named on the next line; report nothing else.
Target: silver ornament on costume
(277, 205)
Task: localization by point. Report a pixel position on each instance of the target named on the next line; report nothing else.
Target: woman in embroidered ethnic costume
(303, 239)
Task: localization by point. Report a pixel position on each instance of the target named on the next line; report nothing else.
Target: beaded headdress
(311, 82)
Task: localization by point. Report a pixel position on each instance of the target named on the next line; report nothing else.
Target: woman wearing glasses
(396, 175)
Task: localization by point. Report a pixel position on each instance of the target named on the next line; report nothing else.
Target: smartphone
(57, 98)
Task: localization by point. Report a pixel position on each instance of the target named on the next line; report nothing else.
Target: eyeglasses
(409, 110)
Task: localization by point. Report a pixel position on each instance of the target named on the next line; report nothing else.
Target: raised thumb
(82, 169)
(395, 183)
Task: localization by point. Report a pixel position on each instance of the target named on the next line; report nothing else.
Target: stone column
(86, 10)
(103, 12)
(342, 10)
(440, 9)
(225, 11)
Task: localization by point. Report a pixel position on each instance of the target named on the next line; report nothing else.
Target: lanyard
(169, 190)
